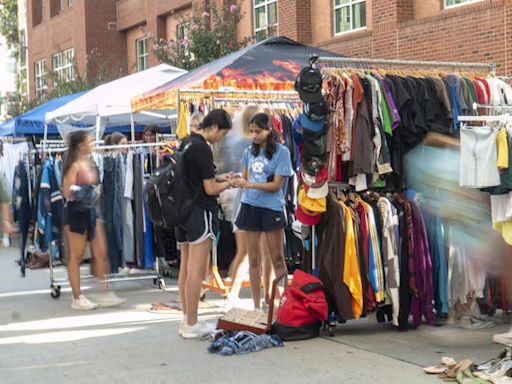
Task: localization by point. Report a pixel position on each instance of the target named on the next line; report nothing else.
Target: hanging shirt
(502, 145)
(261, 170)
(351, 273)
(182, 130)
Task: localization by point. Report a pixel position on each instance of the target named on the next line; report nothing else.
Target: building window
(265, 18)
(63, 69)
(181, 35)
(349, 15)
(40, 76)
(142, 54)
(456, 3)
(37, 12)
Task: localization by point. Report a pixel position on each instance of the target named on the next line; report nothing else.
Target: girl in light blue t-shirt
(266, 168)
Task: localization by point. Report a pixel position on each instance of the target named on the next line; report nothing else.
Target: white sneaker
(83, 304)
(107, 299)
(198, 330)
(181, 324)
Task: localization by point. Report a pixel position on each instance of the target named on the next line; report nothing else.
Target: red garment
(277, 125)
(481, 96)
(486, 85)
(357, 96)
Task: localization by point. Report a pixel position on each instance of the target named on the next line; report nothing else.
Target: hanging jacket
(331, 255)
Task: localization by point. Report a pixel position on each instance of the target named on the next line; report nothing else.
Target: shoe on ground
(107, 299)
(83, 304)
(181, 324)
(196, 331)
(503, 338)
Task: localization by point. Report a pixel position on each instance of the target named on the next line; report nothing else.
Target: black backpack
(167, 193)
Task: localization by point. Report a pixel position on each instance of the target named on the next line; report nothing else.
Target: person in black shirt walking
(197, 231)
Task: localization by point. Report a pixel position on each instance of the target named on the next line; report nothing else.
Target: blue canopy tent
(33, 121)
(7, 128)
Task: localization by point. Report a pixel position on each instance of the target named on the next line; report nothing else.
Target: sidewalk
(43, 341)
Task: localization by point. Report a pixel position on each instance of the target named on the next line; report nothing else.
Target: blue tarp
(7, 128)
(32, 122)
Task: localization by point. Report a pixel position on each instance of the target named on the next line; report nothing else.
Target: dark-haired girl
(266, 167)
(81, 222)
(196, 232)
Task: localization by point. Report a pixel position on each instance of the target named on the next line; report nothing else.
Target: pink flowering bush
(211, 33)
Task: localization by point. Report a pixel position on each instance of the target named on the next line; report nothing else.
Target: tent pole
(132, 126)
(45, 139)
(98, 121)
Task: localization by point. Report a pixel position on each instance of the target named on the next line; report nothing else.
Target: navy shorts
(200, 225)
(257, 219)
(80, 221)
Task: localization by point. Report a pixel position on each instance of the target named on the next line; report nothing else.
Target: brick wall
(52, 35)
(294, 19)
(479, 32)
(104, 45)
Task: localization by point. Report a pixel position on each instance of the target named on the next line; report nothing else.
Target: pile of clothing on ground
(239, 343)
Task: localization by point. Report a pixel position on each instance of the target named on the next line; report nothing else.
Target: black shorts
(199, 226)
(80, 221)
(257, 219)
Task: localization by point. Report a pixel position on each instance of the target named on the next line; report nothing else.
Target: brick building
(446, 30)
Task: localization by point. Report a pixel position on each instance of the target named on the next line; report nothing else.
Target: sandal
(451, 373)
(171, 307)
(446, 362)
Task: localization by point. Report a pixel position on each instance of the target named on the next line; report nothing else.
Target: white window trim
(145, 55)
(61, 72)
(41, 64)
(265, 4)
(335, 8)
(445, 6)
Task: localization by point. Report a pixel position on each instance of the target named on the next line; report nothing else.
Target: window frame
(264, 5)
(349, 6)
(40, 82)
(184, 28)
(144, 56)
(467, 2)
(63, 66)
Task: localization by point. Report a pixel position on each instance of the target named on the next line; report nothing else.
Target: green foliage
(9, 22)
(211, 34)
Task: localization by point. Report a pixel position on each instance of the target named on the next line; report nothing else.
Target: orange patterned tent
(270, 65)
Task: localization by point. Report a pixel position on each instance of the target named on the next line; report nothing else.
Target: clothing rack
(491, 66)
(256, 101)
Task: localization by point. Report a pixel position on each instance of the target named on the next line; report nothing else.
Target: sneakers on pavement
(83, 304)
(107, 299)
(198, 330)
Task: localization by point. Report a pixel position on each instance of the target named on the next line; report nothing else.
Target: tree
(9, 23)
(210, 35)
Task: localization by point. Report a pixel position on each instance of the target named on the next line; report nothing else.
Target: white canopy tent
(108, 105)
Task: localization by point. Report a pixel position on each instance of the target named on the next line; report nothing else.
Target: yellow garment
(351, 273)
(505, 228)
(182, 130)
(501, 143)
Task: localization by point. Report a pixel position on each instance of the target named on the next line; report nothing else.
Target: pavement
(43, 341)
